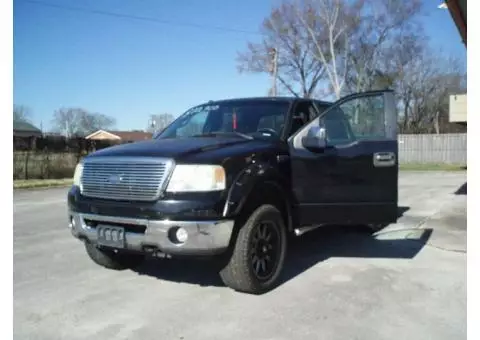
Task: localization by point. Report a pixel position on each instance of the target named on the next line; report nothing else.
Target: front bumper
(147, 235)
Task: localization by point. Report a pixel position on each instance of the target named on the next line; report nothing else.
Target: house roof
(132, 135)
(25, 126)
(123, 135)
(25, 129)
(284, 99)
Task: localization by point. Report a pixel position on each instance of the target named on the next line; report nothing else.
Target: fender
(252, 178)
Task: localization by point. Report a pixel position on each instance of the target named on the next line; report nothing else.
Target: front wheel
(259, 253)
(110, 259)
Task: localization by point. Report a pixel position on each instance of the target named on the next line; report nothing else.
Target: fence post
(27, 153)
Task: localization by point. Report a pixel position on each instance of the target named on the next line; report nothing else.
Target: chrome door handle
(384, 159)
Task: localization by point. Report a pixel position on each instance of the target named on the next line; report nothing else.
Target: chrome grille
(125, 178)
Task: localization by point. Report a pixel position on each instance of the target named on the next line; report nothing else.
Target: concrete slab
(339, 283)
(441, 208)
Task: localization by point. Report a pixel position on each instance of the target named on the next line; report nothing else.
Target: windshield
(263, 118)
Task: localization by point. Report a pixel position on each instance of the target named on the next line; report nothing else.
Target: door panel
(355, 178)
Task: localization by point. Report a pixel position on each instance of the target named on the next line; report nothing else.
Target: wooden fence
(418, 149)
(448, 148)
(51, 156)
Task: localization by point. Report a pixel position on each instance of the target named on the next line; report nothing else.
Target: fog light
(181, 235)
(72, 222)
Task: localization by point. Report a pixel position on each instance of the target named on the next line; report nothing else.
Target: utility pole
(152, 124)
(273, 57)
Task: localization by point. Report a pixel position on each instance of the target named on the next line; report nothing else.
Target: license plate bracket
(111, 236)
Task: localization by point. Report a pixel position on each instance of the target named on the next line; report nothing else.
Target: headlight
(78, 174)
(187, 178)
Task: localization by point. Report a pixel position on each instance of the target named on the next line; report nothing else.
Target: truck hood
(181, 149)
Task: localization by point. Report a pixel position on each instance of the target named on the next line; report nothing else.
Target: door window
(369, 115)
(337, 127)
(366, 116)
(358, 118)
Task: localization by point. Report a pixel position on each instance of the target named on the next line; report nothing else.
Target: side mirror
(315, 140)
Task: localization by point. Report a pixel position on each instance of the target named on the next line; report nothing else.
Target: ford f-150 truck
(235, 179)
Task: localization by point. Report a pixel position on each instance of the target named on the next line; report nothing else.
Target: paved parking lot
(407, 282)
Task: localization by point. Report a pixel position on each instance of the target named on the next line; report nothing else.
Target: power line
(138, 18)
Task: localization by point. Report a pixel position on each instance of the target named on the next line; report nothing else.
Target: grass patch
(41, 183)
(432, 167)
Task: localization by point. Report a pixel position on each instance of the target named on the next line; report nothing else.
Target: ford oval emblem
(115, 179)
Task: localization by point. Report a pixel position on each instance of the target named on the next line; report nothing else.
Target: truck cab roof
(289, 99)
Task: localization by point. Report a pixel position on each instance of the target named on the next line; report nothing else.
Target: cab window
(303, 113)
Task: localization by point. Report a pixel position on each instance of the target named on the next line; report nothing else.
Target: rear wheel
(110, 259)
(259, 253)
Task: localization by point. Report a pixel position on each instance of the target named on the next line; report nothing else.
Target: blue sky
(130, 69)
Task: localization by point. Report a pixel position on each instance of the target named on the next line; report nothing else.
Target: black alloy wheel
(265, 250)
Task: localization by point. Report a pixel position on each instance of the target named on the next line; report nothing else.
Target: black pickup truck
(235, 179)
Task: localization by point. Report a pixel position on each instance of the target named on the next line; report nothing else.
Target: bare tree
(329, 24)
(297, 70)
(340, 45)
(159, 122)
(80, 122)
(355, 38)
(423, 88)
(21, 113)
(357, 45)
(93, 121)
(382, 30)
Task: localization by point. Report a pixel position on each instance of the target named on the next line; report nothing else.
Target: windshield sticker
(211, 107)
(203, 108)
(195, 109)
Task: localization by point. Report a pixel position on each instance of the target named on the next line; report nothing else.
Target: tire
(109, 259)
(258, 254)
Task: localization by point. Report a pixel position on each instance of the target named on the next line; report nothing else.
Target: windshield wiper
(224, 133)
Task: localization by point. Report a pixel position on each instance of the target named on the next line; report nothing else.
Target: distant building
(25, 135)
(26, 130)
(53, 134)
(458, 109)
(121, 136)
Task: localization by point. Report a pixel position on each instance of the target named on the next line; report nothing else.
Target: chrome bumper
(204, 237)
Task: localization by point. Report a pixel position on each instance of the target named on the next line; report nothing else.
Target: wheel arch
(258, 185)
